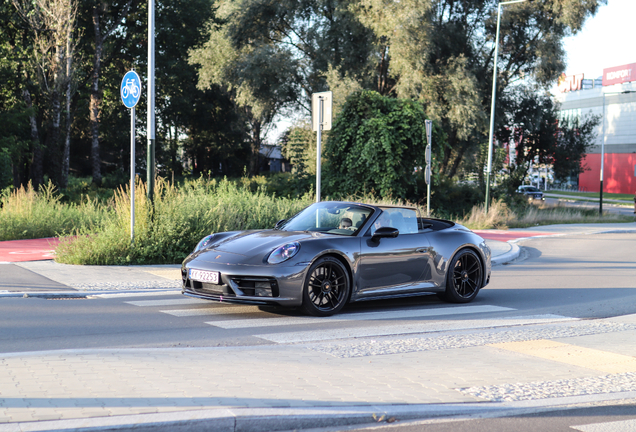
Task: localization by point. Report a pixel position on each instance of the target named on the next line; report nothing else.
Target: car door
(392, 265)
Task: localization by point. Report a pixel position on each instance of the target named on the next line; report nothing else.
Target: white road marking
(408, 328)
(137, 294)
(216, 310)
(616, 426)
(360, 316)
(174, 302)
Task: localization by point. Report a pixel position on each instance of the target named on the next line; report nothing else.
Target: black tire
(326, 288)
(464, 277)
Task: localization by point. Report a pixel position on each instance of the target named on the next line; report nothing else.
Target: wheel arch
(344, 261)
(482, 261)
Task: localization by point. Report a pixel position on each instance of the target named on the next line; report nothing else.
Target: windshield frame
(326, 205)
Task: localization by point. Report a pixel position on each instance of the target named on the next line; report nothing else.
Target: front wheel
(464, 277)
(326, 287)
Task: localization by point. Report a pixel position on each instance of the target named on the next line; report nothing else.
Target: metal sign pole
(427, 171)
(130, 92)
(319, 137)
(132, 174)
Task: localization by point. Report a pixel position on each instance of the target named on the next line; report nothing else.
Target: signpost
(427, 172)
(321, 115)
(130, 93)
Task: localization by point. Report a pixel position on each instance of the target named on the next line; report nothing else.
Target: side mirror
(280, 223)
(385, 232)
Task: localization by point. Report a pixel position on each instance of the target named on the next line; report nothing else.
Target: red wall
(618, 175)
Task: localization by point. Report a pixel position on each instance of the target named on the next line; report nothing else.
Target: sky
(605, 40)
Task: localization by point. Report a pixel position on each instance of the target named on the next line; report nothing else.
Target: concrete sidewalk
(553, 362)
(491, 366)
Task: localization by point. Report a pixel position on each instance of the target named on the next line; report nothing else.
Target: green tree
(376, 145)
(439, 52)
(540, 135)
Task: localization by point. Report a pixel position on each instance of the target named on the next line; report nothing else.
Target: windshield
(531, 189)
(330, 217)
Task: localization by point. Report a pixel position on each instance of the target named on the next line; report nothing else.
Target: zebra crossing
(283, 327)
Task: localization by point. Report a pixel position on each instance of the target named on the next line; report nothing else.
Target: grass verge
(168, 230)
(500, 216)
(26, 213)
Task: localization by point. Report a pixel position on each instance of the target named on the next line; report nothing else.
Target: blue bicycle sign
(130, 89)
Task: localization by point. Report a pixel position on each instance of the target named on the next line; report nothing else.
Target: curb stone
(287, 419)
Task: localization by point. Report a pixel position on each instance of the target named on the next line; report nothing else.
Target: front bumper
(259, 285)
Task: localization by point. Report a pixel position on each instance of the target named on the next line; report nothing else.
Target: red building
(613, 98)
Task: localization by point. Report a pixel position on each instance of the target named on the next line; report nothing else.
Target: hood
(250, 244)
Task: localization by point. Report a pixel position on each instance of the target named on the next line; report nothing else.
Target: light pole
(150, 155)
(600, 201)
(492, 103)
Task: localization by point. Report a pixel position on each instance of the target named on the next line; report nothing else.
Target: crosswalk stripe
(361, 316)
(173, 302)
(615, 426)
(217, 310)
(408, 328)
(137, 294)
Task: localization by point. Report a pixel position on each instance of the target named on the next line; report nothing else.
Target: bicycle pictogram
(131, 88)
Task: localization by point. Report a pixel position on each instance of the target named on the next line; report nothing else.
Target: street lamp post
(600, 201)
(492, 103)
(150, 155)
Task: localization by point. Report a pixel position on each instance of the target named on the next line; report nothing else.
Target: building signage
(570, 83)
(619, 74)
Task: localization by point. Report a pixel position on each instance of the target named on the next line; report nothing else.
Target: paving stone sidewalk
(470, 368)
(58, 385)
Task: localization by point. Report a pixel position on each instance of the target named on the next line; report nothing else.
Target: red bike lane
(28, 250)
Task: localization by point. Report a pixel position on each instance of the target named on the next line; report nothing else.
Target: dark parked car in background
(332, 253)
(531, 192)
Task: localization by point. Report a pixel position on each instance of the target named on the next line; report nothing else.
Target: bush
(451, 200)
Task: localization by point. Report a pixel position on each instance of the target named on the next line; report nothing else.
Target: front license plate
(205, 276)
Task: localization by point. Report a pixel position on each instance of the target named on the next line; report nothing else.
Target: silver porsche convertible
(332, 253)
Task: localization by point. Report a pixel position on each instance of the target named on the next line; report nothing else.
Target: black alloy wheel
(326, 287)
(464, 277)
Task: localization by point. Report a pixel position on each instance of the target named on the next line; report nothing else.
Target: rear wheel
(326, 287)
(463, 278)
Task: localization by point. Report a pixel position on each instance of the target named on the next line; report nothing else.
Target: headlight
(283, 253)
(203, 243)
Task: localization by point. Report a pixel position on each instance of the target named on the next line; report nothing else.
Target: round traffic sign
(130, 89)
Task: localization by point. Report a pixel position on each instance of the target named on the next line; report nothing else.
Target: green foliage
(5, 168)
(540, 135)
(450, 200)
(179, 219)
(26, 213)
(375, 145)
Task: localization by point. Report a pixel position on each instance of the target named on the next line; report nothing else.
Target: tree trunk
(37, 174)
(66, 152)
(256, 147)
(95, 100)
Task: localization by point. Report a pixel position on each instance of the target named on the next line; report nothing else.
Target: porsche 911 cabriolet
(332, 253)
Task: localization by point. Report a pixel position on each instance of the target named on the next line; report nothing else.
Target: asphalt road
(587, 276)
(607, 418)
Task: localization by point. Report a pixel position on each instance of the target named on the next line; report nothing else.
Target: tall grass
(500, 216)
(180, 217)
(168, 230)
(27, 213)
